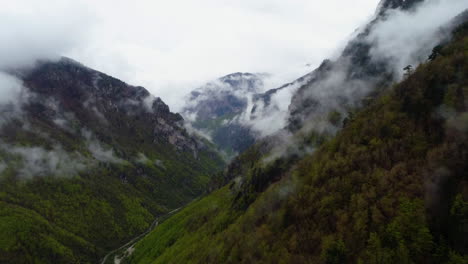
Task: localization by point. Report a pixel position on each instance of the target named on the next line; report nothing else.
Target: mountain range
(88, 161)
(363, 160)
(370, 169)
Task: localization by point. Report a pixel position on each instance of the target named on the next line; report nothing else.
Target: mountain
(385, 5)
(384, 179)
(234, 112)
(87, 162)
(218, 107)
(357, 69)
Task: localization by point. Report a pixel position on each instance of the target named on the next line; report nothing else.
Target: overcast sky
(171, 47)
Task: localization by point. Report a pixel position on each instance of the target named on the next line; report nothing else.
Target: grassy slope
(392, 187)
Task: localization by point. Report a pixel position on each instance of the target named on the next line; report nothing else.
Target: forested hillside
(390, 187)
(87, 162)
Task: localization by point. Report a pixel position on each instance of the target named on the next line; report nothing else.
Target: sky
(172, 47)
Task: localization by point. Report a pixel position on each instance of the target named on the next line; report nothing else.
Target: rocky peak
(397, 4)
(68, 93)
(216, 107)
(223, 96)
(243, 81)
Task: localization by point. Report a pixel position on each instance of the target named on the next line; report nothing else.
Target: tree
(435, 52)
(408, 70)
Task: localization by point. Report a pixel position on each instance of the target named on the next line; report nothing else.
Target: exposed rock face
(227, 95)
(88, 161)
(216, 108)
(74, 95)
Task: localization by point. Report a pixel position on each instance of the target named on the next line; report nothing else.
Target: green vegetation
(77, 210)
(391, 187)
(85, 216)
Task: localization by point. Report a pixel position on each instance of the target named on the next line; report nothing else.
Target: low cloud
(38, 161)
(405, 38)
(269, 118)
(399, 39)
(96, 149)
(185, 48)
(31, 30)
(10, 89)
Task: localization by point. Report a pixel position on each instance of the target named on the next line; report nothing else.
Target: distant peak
(67, 60)
(238, 75)
(396, 4)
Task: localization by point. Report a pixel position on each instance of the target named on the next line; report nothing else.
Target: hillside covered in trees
(390, 187)
(87, 162)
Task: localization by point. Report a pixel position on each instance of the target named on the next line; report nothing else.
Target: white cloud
(97, 150)
(31, 30)
(171, 47)
(10, 89)
(402, 38)
(37, 161)
(34, 29)
(408, 37)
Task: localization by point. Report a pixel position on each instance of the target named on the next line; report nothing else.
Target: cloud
(10, 89)
(171, 47)
(402, 38)
(37, 161)
(266, 119)
(101, 154)
(408, 37)
(97, 150)
(31, 30)
(12, 96)
(197, 132)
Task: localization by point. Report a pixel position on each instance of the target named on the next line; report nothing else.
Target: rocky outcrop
(68, 93)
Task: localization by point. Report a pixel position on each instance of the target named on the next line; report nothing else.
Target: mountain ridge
(87, 162)
(391, 187)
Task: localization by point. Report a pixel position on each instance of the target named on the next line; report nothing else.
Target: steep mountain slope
(358, 71)
(87, 162)
(217, 108)
(391, 187)
(237, 117)
(235, 112)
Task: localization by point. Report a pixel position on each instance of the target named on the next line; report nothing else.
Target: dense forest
(390, 187)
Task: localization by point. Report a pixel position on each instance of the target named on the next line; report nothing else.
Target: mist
(184, 48)
(407, 38)
(32, 30)
(38, 161)
(396, 40)
(10, 89)
(399, 39)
